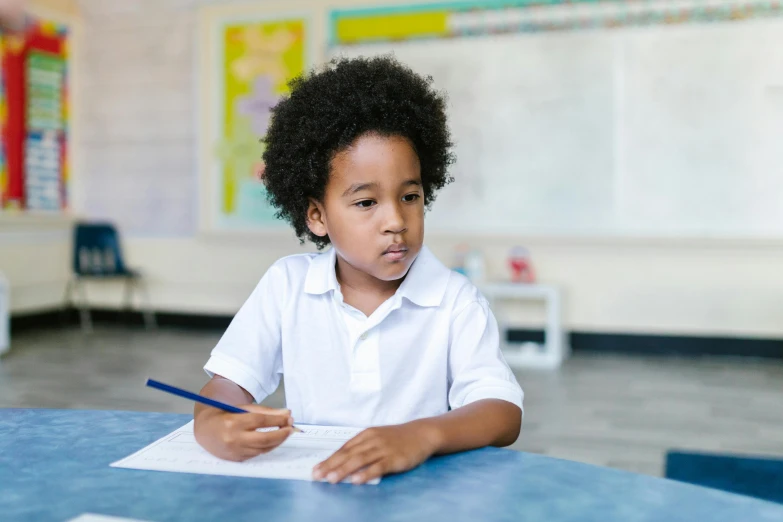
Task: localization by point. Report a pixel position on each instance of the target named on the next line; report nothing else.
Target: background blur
(628, 152)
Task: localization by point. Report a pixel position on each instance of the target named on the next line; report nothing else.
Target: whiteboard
(700, 130)
(658, 131)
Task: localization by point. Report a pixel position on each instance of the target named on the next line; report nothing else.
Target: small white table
(530, 355)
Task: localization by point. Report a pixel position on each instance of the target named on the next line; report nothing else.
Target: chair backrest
(96, 250)
(760, 477)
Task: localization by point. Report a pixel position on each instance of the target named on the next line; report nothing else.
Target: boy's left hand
(378, 451)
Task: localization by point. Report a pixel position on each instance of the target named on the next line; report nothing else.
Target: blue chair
(97, 256)
(758, 477)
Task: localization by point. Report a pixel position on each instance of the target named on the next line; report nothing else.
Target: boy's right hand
(233, 436)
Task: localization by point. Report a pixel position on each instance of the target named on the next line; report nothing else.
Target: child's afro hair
(332, 107)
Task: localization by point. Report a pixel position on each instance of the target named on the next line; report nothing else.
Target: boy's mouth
(395, 252)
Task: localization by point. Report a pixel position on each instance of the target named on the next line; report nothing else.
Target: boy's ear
(316, 219)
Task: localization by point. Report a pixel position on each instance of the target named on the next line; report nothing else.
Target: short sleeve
(250, 351)
(477, 369)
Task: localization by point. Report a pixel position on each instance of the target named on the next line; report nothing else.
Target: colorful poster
(45, 125)
(257, 61)
(477, 18)
(34, 112)
(3, 111)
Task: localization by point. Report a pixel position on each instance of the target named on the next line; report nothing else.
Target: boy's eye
(365, 203)
(410, 197)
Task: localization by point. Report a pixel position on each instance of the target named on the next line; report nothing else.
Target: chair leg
(127, 301)
(149, 315)
(84, 309)
(67, 300)
(68, 296)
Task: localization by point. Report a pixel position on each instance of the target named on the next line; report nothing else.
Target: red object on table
(521, 266)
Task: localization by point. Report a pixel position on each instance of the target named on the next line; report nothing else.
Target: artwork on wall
(255, 61)
(475, 18)
(34, 110)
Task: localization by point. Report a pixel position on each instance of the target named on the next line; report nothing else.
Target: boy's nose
(395, 223)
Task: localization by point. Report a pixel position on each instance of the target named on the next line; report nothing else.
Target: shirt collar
(321, 277)
(425, 284)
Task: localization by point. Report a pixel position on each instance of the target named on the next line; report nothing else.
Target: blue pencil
(196, 397)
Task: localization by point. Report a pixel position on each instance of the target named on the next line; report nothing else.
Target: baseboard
(650, 344)
(640, 344)
(41, 320)
(69, 317)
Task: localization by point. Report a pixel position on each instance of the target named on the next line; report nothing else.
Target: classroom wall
(33, 256)
(35, 250)
(62, 7)
(664, 286)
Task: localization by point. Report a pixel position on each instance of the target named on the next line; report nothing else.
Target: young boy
(375, 332)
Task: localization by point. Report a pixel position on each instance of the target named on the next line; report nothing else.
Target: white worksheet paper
(294, 459)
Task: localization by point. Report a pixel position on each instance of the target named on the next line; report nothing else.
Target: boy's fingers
(255, 408)
(262, 440)
(340, 457)
(324, 468)
(253, 421)
(370, 473)
(361, 438)
(356, 462)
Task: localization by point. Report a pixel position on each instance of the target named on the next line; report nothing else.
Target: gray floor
(618, 411)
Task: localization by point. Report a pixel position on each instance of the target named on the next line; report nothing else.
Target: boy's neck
(361, 290)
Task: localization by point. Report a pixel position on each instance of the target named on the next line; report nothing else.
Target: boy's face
(373, 207)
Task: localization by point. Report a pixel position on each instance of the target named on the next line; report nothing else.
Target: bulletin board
(246, 64)
(34, 110)
(598, 119)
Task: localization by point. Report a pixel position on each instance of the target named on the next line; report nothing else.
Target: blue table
(54, 465)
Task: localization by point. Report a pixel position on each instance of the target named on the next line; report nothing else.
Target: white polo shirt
(430, 347)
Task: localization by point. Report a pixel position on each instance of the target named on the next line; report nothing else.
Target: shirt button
(363, 336)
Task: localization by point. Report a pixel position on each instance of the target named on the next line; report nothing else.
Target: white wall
(34, 256)
(57, 8)
(706, 287)
(611, 286)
